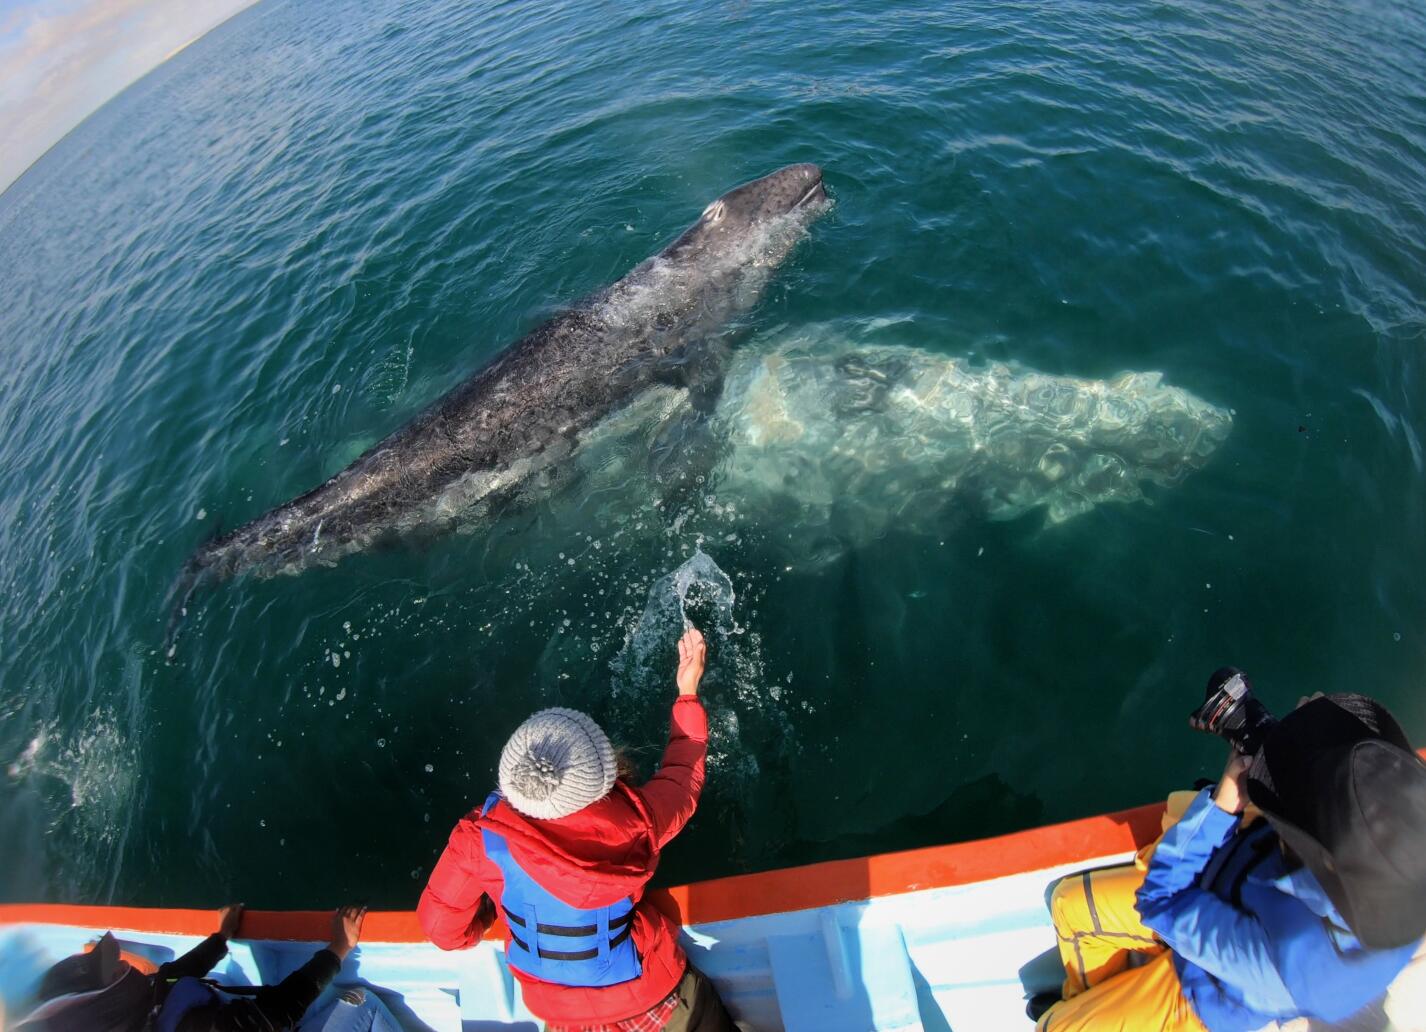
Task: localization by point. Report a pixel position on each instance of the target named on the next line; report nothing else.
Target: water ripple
(310, 223)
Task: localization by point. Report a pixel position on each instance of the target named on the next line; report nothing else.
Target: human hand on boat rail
(346, 929)
(692, 652)
(230, 918)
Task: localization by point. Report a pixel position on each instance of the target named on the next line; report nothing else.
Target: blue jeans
(341, 1015)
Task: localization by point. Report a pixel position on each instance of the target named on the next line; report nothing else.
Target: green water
(305, 227)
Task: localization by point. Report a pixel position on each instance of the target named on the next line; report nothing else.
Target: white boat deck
(848, 946)
(945, 958)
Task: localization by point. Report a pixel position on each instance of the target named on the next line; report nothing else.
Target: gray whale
(833, 435)
(527, 409)
(825, 433)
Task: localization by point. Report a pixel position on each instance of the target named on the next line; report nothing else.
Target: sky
(60, 60)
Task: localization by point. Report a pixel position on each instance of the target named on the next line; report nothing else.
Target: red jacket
(592, 858)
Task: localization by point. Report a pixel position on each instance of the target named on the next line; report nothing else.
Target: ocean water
(1105, 369)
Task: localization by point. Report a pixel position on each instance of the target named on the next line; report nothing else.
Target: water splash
(698, 593)
(699, 583)
(702, 583)
(94, 768)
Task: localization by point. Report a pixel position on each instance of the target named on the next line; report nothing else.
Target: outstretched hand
(692, 652)
(229, 920)
(346, 929)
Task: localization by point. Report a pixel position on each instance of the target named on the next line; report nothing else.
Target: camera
(1231, 712)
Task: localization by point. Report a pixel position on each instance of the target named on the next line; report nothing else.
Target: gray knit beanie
(556, 763)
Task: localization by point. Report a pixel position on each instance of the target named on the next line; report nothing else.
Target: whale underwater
(830, 441)
(515, 420)
(823, 432)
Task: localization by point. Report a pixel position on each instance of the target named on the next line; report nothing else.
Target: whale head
(748, 217)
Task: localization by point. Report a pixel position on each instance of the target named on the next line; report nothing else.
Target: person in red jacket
(566, 849)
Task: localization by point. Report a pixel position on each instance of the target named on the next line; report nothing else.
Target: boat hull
(947, 937)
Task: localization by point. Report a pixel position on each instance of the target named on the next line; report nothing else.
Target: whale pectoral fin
(707, 374)
(688, 446)
(700, 367)
(684, 452)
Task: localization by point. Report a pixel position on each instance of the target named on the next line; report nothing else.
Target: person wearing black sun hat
(1307, 907)
(1340, 784)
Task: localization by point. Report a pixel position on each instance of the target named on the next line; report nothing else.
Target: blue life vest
(554, 941)
(187, 994)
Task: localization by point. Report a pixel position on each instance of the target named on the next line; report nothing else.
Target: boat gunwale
(783, 890)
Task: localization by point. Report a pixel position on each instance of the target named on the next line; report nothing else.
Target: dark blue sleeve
(197, 962)
(273, 1007)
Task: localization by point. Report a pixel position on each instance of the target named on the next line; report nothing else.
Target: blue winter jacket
(1254, 941)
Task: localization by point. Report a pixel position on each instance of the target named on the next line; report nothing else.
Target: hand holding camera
(1231, 712)
(1231, 795)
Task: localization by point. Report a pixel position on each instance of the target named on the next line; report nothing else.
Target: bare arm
(672, 794)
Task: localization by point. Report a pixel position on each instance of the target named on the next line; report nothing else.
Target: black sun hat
(1346, 793)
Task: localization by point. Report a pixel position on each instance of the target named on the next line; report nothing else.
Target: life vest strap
(578, 932)
(579, 955)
